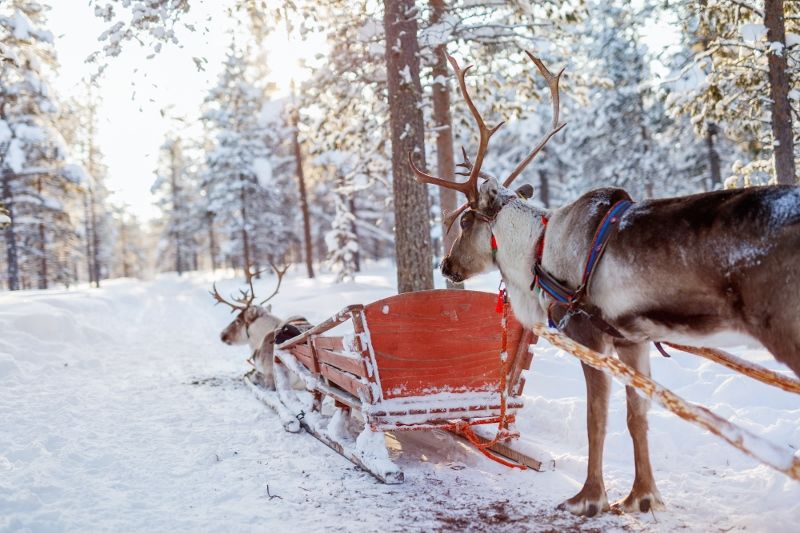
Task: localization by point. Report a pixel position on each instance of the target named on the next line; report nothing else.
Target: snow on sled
(440, 359)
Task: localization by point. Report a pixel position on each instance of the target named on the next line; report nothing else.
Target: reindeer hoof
(586, 503)
(641, 501)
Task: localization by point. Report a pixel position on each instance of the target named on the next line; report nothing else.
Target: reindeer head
(471, 252)
(252, 321)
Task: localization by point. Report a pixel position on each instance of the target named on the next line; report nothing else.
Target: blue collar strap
(544, 281)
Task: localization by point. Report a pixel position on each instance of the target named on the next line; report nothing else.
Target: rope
(464, 427)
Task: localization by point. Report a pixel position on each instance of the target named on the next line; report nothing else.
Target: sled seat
(415, 360)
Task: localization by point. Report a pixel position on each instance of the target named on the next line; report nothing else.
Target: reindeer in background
(256, 326)
(670, 268)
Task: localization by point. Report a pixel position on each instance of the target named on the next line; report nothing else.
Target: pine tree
(745, 67)
(177, 192)
(250, 165)
(37, 182)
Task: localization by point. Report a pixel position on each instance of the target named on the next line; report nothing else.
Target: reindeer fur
(253, 326)
(675, 268)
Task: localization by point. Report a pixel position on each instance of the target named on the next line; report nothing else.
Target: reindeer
(615, 275)
(256, 326)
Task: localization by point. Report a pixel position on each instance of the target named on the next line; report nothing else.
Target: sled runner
(441, 359)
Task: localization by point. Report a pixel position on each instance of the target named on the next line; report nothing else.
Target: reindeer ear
(269, 308)
(526, 191)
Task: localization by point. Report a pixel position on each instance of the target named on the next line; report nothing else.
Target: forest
(660, 97)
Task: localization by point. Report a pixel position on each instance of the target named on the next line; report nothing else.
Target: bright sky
(134, 90)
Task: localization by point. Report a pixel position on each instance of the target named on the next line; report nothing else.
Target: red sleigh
(414, 361)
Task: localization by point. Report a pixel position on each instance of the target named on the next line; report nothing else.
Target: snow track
(121, 410)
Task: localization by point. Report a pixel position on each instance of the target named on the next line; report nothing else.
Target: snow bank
(121, 410)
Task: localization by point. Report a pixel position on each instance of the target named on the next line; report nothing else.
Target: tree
(78, 126)
(37, 181)
(443, 126)
(779, 83)
(737, 61)
(250, 164)
(412, 230)
(177, 194)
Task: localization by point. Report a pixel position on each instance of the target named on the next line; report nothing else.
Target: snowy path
(121, 410)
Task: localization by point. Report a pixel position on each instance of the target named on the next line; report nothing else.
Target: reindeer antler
(469, 187)
(220, 300)
(485, 133)
(555, 127)
(280, 272)
(246, 298)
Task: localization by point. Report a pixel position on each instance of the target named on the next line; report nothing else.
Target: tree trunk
(92, 168)
(212, 241)
(301, 188)
(88, 235)
(123, 239)
(354, 229)
(713, 156)
(443, 124)
(175, 190)
(544, 188)
(779, 93)
(12, 256)
(95, 240)
(42, 244)
(245, 239)
(412, 229)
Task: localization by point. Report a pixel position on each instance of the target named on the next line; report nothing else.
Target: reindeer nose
(224, 338)
(449, 272)
(446, 267)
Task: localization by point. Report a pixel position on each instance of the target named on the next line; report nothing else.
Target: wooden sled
(415, 361)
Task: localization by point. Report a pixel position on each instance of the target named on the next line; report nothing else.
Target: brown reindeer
(254, 324)
(667, 269)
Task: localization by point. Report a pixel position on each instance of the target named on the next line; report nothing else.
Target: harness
(567, 297)
(560, 293)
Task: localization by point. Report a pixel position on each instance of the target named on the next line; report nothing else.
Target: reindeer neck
(516, 229)
(265, 323)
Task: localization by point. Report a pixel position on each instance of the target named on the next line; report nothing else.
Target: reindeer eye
(466, 221)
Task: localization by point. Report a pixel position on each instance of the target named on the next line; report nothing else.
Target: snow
(263, 170)
(752, 32)
(5, 132)
(122, 410)
(405, 74)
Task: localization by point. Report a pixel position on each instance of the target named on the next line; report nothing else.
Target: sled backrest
(440, 341)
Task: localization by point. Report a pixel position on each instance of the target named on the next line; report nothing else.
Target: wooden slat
(303, 355)
(340, 317)
(335, 344)
(343, 362)
(359, 327)
(430, 341)
(340, 396)
(522, 361)
(346, 381)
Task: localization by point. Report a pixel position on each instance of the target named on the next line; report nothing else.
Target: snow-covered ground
(121, 410)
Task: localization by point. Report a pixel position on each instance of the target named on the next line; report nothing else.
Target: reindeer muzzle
(449, 273)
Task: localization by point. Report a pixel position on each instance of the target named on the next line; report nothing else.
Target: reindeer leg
(592, 498)
(644, 495)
